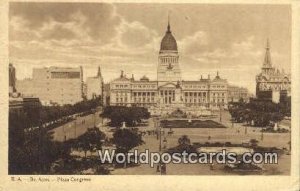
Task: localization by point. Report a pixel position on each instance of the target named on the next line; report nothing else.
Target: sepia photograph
(156, 88)
(92, 83)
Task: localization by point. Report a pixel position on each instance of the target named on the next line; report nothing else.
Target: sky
(230, 39)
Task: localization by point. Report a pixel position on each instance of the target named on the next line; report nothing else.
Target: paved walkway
(76, 128)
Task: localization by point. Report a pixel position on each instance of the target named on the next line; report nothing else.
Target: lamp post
(75, 133)
(158, 131)
(220, 113)
(65, 137)
(94, 116)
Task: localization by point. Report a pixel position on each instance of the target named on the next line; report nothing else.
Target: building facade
(271, 81)
(94, 86)
(236, 94)
(53, 85)
(169, 91)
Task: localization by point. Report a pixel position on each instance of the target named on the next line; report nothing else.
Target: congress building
(170, 92)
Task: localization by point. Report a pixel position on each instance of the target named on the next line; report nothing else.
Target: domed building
(168, 59)
(169, 92)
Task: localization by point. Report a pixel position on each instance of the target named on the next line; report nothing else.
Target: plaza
(235, 133)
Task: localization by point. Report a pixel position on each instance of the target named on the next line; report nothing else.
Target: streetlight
(262, 134)
(75, 128)
(220, 112)
(94, 114)
(162, 166)
(65, 137)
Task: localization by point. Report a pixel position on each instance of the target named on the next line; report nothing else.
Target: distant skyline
(230, 39)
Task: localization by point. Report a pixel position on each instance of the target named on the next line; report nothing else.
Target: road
(76, 128)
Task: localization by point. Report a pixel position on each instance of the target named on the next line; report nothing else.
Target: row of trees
(130, 115)
(41, 115)
(31, 152)
(35, 151)
(259, 113)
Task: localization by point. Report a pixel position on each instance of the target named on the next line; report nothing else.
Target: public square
(234, 133)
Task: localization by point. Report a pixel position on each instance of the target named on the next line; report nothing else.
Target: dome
(144, 79)
(168, 42)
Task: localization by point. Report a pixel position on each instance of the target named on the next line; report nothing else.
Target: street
(76, 128)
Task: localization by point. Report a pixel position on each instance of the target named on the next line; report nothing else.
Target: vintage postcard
(197, 95)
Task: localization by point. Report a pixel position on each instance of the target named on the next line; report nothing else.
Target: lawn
(191, 124)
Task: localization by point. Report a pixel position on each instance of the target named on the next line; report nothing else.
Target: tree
(258, 111)
(126, 139)
(130, 115)
(253, 142)
(184, 144)
(35, 154)
(90, 140)
(184, 140)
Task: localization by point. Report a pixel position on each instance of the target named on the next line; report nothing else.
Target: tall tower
(262, 79)
(267, 67)
(168, 69)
